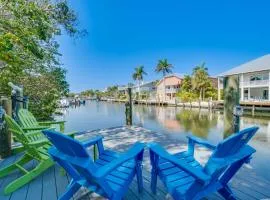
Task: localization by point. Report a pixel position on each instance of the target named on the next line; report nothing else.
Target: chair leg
(154, 181)
(139, 177)
(72, 188)
(21, 181)
(226, 193)
(7, 170)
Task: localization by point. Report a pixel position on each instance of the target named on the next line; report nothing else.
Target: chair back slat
(22, 137)
(27, 119)
(66, 144)
(16, 130)
(228, 147)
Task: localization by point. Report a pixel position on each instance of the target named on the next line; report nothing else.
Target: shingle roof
(259, 64)
(180, 76)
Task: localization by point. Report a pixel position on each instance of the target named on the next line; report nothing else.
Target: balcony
(172, 90)
(257, 83)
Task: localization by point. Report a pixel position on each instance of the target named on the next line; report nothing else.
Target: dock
(50, 185)
(260, 109)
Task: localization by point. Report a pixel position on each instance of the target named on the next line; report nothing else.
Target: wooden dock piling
(129, 108)
(5, 136)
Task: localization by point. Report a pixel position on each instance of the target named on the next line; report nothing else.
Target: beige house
(168, 87)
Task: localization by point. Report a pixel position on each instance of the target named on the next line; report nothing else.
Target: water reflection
(175, 122)
(198, 122)
(195, 121)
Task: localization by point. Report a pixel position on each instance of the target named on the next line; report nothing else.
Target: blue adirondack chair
(110, 175)
(185, 178)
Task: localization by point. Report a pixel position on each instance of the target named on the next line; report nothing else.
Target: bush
(187, 96)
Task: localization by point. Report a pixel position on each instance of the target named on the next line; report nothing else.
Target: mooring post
(5, 136)
(253, 110)
(129, 108)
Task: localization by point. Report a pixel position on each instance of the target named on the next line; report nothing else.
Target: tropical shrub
(29, 52)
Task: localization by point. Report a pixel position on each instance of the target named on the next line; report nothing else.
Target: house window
(255, 77)
(258, 77)
(245, 94)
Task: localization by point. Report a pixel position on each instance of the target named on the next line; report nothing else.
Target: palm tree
(138, 75)
(166, 68)
(200, 79)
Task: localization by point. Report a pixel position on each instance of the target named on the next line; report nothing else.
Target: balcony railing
(172, 90)
(254, 83)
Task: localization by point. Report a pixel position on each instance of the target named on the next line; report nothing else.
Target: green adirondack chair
(36, 146)
(30, 123)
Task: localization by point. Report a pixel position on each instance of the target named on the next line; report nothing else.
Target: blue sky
(123, 34)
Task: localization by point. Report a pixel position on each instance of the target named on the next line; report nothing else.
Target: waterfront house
(168, 87)
(122, 89)
(254, 79)
(146, 90)
(214, 81)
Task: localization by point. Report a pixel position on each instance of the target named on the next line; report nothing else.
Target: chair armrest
(91, 141)
(201, 141)
(51, 122)
(78, 161)
(37, 128)
(133, 152)
(193, 171)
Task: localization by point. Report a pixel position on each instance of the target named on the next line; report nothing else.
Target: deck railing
(254, 83)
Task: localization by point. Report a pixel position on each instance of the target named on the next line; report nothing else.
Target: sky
(123, 34)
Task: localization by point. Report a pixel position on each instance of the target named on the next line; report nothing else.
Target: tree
(138, 75)
(112, 91)
(166, 68)
(186, 96)
(200, 79)
(88, 93)
(186, 84)
(29, 52)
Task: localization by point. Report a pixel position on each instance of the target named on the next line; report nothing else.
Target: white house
(254, 78)
(148, 88)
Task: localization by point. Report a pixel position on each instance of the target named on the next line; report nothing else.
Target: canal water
(176, 122)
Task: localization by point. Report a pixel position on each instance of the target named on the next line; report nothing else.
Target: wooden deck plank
(131, 195)
(55, 184)
(5, 163)
(240, 195)
(61, 180)
(144, 195)
(7, 179)
(49, 186)
(258, 186)
(248, 188)
(6, 160)
(35, 189)
(21, 193)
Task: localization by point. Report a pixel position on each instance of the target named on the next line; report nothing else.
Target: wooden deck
(50, 185)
